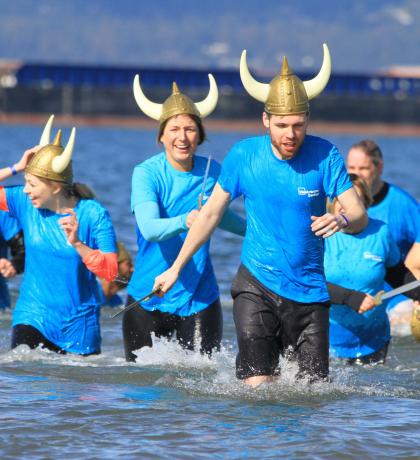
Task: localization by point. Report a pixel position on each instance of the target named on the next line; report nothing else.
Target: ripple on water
(168, 365)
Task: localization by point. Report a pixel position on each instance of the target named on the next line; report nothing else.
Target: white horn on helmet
(207, 105)
(316, 85)
(60, 163)
(149, 108)
(257, 90)
(46, 133)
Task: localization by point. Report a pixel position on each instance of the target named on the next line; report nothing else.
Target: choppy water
(177, 404)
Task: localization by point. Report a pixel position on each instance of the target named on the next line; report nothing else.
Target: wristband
(345, 220)
(13, 169)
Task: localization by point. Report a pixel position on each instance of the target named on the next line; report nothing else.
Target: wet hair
(366, 194)
(75, 189)
(78, 190)
(371, 149)
(195, 118)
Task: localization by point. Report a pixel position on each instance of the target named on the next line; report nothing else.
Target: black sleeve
(399, 275)
(395, 275)
(17, 250)
(414, 293)
(344, 296)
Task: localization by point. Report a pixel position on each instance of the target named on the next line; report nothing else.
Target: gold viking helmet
(52, 161)
(177, 103)
(286, 94)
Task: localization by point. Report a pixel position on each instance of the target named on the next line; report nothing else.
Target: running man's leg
(257, 326)
(307, 330)
(205, 329)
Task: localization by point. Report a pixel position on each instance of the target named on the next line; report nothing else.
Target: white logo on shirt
(309, 193)
(368, 255)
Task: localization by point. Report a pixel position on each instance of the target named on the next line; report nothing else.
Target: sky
(363, 35)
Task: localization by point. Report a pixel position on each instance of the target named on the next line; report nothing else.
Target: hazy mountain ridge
(362, 35)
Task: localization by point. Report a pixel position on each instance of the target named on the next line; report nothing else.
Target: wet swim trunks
(269, 325)
(139, 324)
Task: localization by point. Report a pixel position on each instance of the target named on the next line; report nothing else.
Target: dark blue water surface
(177, 404)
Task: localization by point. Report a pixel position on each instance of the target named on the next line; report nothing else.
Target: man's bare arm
(412, 261)
(354, 218)
(354, 210)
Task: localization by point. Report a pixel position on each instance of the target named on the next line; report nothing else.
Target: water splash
(167, 364)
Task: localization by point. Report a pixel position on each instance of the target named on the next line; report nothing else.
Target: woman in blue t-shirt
(358, 262)
(69, 240)
(168, 190)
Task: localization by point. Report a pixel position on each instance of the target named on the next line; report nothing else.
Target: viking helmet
(52, 162)
(286, 94)
(177, 103)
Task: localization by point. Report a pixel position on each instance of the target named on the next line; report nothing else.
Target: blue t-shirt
(176, 193)
(59, 295)
(359, 262)
(280, 249)
(8, 229)
(401, 212)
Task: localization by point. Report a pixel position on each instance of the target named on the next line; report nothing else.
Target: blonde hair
(365, 193)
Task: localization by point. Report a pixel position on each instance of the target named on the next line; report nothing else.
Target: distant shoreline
(250, 126)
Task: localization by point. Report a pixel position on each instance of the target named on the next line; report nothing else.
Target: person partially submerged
(167, 191)
(69, 240)
(280, 294)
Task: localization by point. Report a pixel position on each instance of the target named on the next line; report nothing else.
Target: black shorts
(23, 334)
(206, 326)
(269, 325)
(377, 357)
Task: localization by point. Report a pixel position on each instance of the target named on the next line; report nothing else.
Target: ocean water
(181, 405)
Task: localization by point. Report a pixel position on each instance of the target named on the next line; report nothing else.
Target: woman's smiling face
(180, 139)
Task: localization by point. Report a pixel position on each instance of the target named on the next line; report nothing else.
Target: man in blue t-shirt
(391, 204)
(399, 210)
(11, 238)
(280, 295)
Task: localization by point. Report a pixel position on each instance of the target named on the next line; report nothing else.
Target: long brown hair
(78, 190)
